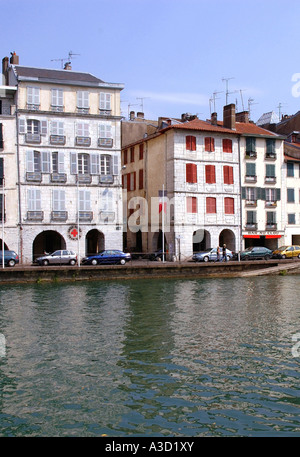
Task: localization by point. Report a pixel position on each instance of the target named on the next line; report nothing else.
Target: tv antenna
(242, 90)
(227, 92)
(280, 105)
(250, 103)
(214, 98)
(66, 59)
(142, 102)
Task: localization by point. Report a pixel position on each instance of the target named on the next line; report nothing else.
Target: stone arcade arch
(5, 246)
(95, 242)
(227, 237)
(201, 240)
(47, 241)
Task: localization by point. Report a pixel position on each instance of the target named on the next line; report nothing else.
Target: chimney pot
(67, 66)
(132, 115)
(214, 119)
(243, 116)
(14, 60)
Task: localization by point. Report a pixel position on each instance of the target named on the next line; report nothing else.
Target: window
(84, 200)
(211, 205)
(141, 151)
(271, 195)
(132, 154)
(290, 169)
(291, 218)
(251, 194)
(191, 204)
(270, 172)
(228, 174)
(270, 147)
(229, 205)
(2, 207)
(251, 218)
(105, 102)
(227, 145)
(190, 143)
(125, 156)
(83, 100)
(33, 126)
(132, 181)
(34, 200)
(33, 97)
(105, 165)
(250, 145)
(210, 174)
(141, 179)
(191, 172)
(59, 200)
(209, 144)
(1, 171)
(106, 202)
(57, 100)
(271, 218)
(83, 164)
(57, 128)
(250, 172)
(82, 129)
(291, 195)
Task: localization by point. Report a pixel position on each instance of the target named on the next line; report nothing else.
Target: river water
(207, 357)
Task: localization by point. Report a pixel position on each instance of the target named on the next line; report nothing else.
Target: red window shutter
(132, 154)
(229, 205)
(141, 151)
(191, 204)
(228, 174)
(210, 174)
(190, 143)
(128, 181)
(209, 144)
(122, 181)
(141, 179)
(134, 180)
(211, 205)
(125, 156)
(191, 172)
(227, 145)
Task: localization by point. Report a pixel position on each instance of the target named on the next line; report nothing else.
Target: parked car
(157, 255)
(210, 255)
(256, 252)
(287, 252)
(109, 256)
(10, 258)
(61, 257)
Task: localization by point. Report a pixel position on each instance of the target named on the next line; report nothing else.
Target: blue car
(109, 256)
(10, 258)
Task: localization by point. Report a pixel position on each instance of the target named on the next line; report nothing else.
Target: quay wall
(135, 270)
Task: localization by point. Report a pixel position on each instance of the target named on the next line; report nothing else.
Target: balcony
(35, 216)
(57, 139)
(107, 216)
(270, 179)
(271, 226)
(105, 142)
(85, 216)
(83, 141)
(252, 203)
(33, 138)
(271, 204)
(59, 216)
(82, 110)
(33, 106)
(250, 178)
(270, 156)
(106, 179)
(105, 112)
(251, 154)
(251, 226)
(84, 179)
(58, 177)
(33, 176)
(57, 108)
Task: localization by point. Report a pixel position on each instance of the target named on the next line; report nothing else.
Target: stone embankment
(141, 270)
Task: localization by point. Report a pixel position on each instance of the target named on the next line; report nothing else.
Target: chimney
(243, 116)
(229, 116)
(4, 71)
(131, 116)
(214, 119)
(67, 66)
(14, 60)
(140, 115)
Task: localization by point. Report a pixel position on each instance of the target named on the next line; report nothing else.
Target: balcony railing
(33, 138)
(271, 226)
(270, 155)
(107, 216)
(270, 179)
(84, 179)
(57, 108)
(251, 226)
(106, 179)
(250, 178)
(251, 203)
(105, 142)
(82, 110)
(58, 177)
(33, 106)
(85, 216)
(59, 216)
(251, 154)
(33, 176)
(57, 139)
(35, 215)
(83, 141)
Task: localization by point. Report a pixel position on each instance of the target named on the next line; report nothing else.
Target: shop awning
(251, 236)
(273, 236)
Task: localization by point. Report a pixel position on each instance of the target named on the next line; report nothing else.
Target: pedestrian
(224, 253)
(218, 254)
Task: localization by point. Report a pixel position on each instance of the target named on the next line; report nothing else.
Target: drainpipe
(241, 201)
(19, 184)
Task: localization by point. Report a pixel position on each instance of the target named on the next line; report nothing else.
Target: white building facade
(68, 148)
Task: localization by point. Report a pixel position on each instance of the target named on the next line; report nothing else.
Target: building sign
(73, 232)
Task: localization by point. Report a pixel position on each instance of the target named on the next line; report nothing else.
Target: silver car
(210, 254)
(61, 257)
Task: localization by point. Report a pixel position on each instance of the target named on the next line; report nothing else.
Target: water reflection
(150, 358)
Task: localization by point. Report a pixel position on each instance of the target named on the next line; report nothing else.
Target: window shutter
(22, 126)
(141, 179)
(45, 162)
(73, 162)
(43, 127)
(141, 148)
(278, 196)
(115, 165)
(211, 205)
(228, 174)
(207, 144)
(61, 162)
(270, 171)
(229, 205)
(128, 181)
(94, 164)
(227, 145)
(1, 136)
(1, 171)
(29, 161)
(191, 172)
(210, 174)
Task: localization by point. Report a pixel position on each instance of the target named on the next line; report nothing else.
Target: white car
(61, 257)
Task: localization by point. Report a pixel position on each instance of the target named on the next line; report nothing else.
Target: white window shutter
(73, 162)
(45, 162)
(94, 164)
(43, 127)
(61, 162)
(29, 161)
(22, 126)
(115, 165)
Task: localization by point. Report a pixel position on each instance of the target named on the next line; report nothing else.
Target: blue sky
(171, 55)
